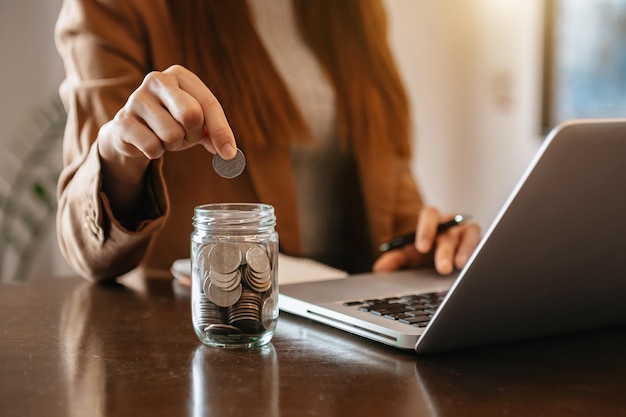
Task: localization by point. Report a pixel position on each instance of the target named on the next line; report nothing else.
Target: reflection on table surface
(70, 348)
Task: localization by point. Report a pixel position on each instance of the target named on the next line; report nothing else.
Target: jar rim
(234, 216)
(234, 206)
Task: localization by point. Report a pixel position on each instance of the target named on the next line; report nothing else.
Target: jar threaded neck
(234, 217)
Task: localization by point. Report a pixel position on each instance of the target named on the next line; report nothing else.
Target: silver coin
(227, 285)
(206, 281)
(248, 325)
(225, 258)
(202, 258)
(224, 278)
(229, 168)
(222, 329)
(268, 312)
(259, 284)
(257, 260)
(224, 298)
(207, 313)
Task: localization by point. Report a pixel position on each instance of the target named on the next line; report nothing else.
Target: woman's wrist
(123, 181)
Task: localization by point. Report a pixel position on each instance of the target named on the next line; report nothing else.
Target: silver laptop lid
(554, 260)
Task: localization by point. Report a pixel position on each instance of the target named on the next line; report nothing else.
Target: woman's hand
(448, 250)
(170, 111)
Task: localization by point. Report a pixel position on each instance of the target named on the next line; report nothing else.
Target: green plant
(29, 168)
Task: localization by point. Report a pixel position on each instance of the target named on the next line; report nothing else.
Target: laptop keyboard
(414, 310)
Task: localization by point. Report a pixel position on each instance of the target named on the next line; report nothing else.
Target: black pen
(410, 238)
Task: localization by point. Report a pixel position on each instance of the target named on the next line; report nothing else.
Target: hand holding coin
(229, 168)
(171, 111)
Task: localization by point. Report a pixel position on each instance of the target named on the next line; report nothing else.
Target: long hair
(349, 37)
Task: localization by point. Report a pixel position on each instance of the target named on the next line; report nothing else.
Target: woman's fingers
(448, 250)
(426, 231)
(393, 260)
(447, 243)
(470, 237)
(455, 246)
(144, 123)
(218, 135)
(171, 111)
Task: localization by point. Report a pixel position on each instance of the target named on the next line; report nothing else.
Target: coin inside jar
(230, 168)
(258, 260)
(224, 258)
(222, 329)
(224, 298)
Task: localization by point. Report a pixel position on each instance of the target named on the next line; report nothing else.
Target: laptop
(552, 261)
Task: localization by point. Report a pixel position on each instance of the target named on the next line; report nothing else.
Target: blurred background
(481, 78)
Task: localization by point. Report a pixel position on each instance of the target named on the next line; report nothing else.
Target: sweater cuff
(155, 204)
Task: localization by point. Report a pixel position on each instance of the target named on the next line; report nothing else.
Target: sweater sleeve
(105, 57)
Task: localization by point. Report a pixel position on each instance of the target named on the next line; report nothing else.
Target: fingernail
(228, 151)
(423, 245)
(445, 267)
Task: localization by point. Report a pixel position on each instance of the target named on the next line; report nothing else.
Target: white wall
(31, 72)
(472, 68)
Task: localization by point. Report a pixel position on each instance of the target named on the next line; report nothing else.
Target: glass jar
(234, 289)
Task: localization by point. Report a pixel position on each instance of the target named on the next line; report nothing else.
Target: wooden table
(69, 348)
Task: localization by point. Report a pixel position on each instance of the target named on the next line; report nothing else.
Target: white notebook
(291, 270)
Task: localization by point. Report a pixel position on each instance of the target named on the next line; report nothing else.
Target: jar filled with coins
(234, 258)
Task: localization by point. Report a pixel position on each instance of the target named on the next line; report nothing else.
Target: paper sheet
(290, 269)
